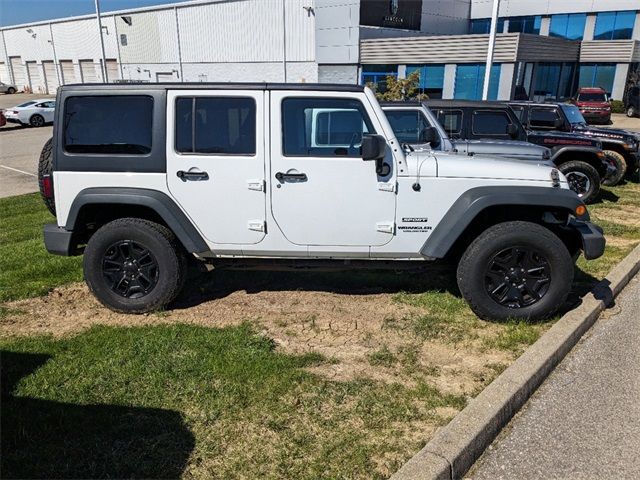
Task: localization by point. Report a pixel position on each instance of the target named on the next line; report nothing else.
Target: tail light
(47, 186)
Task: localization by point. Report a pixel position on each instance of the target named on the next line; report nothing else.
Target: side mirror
(373, 147)
(428, 135)
(512, 130)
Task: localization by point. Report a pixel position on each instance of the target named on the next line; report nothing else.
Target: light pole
(492, 44)
(104, 57)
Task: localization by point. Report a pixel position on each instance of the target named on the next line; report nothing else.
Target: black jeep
(619, 146)
(579, 158)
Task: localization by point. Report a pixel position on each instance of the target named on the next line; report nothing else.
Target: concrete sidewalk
(584, 421)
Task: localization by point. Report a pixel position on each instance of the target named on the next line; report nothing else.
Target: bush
(617, 106)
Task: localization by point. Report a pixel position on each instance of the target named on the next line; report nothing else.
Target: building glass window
(483, 26)
(598, 75)
(377, 75)
(528, 24)
(431, 79)
(570, 26)
(553, 81)
(470, 82)
(614, 25)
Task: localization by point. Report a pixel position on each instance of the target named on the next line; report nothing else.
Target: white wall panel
(79, 39)
(509, 8)
(151, 37)
(4, 73)
(249, 72)
(146, 72)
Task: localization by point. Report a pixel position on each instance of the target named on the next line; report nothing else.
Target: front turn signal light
(581, 210)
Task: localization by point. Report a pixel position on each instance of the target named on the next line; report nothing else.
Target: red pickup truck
(594, 105)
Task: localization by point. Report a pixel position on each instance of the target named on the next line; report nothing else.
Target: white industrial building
(544, 48)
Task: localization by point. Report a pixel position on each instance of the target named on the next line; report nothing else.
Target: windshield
(592, 97)
(573, 115)
(26, 104)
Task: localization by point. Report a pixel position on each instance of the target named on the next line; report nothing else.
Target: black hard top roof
(466, 103)
(408, 103)
(538, 104)
(214, 86)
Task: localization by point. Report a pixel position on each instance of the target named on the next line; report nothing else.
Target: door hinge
(387, 186)
(256, 184)
(257, 225)
(384, 227)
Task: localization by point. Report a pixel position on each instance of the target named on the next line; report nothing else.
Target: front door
(216, 161)
(322, 192)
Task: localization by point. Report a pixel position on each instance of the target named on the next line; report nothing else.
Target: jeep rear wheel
(515, 270)
(134, 266)
(631, 111)
(619, 164)
(583, 179)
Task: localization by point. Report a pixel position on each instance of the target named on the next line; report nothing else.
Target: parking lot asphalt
(19, 151)
(584, 421)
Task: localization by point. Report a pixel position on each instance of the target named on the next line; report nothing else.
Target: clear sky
(14, 12)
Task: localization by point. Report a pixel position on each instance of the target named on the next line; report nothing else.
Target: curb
(456, 447)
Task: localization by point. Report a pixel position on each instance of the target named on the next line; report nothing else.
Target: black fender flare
(582, 150)
(157, 201)
(475, 200)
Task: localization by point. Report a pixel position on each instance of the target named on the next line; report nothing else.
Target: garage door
(88, 70)
(164, 77)
(35, 81)
(19, 75)
(113, 72)
(68, 72)
(4, 73)
(51, 77)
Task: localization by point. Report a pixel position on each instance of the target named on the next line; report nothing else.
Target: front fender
(475, 200)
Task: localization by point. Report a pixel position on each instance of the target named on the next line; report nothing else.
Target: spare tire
(45, 169)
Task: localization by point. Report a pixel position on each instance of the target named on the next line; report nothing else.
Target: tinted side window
(323, 127)
(543, 117)
(108, 124)
(407, 125)
(490, 123)
(451, 120)
(216, 125)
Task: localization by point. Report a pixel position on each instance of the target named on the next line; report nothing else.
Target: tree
(400, 89)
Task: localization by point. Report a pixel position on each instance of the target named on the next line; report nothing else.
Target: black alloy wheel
(130, 269)
(517, 277)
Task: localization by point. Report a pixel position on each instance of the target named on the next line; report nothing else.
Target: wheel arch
(481, 207)
(94, 207)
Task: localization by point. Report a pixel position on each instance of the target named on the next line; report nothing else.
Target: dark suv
(632, 105)
(619, 146)
(578, 157)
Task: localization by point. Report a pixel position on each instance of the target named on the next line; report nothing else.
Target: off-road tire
(631, 111)
(159, 241)
(583, 169)
(45, 167)
(621, 168)
(473, 265)
(11, 90)
(36, 121)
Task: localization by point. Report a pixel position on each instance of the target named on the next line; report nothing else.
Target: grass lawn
(251, 375)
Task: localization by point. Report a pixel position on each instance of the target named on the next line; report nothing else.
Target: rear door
(323, 193)
(216, 161)
(47, 110)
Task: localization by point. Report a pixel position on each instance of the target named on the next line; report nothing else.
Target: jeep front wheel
(134, 266)
(619, 165)
(583, 179)
(515, 270)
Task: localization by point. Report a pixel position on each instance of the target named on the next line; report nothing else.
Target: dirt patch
(349, 329)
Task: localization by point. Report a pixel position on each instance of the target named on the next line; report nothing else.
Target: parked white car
(36, 113)
(7, 88)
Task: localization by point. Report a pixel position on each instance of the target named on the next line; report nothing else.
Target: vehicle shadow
(50, 439)
(206, 286)
(607, 195)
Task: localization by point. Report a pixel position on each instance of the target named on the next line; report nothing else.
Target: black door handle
(282, 177)
(184, 176)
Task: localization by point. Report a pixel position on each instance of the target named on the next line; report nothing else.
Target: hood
(504, 148)
(600, 104)
(612, 133)
(484, 166)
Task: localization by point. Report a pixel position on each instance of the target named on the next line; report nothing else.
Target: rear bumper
(593, 241)
(58, 240)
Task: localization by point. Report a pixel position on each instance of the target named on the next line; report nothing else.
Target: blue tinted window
(470, 82)
(598, 75)
(614, 25)
(377, 75)
(483, 25)
(528, 24)
(569, 26)
(431, 78)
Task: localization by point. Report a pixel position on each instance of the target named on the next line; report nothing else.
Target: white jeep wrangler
(141, 176)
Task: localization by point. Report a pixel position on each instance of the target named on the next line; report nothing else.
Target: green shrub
(617, 106)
